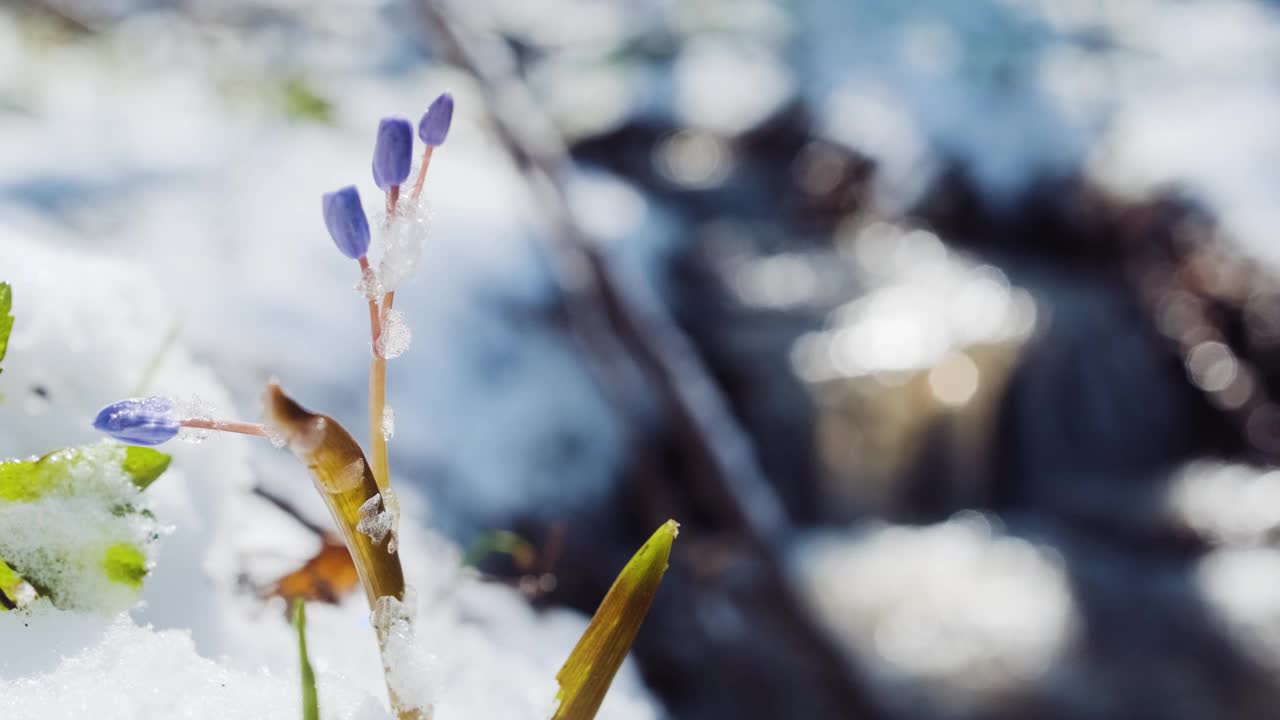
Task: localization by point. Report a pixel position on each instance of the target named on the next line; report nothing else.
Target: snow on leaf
(74, 524)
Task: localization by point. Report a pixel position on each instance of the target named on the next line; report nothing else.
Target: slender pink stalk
(422, 172)
(375, 323)
(393, 198)
(235, 426)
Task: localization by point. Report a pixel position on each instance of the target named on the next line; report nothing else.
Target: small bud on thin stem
(348, 226)
(392, 152)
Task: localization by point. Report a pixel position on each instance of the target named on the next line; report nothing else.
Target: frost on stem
(406, 665)
(370, 286)
(388, 423)
(395, 336)
(196, 408)
(401, 242)
(274, 436)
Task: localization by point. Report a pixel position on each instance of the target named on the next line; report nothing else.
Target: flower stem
(378, 405)
(422, 173)
(393, 198)
(235, 426)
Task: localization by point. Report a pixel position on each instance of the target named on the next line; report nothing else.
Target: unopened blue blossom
(392, 152)
(434, 127)
(142, 421)
(345, 218)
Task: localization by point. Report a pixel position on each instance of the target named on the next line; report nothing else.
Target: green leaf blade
(589, 671)
(310, 699)
(144, 465)
(126, 564)
(6, 317)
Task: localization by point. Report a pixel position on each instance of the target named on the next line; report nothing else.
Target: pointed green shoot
(310, 701)
(6, 317)
(587, 674)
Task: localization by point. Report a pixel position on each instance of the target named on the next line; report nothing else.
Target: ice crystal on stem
(375, 521)
(404, 661)
(388, 423)
(394, 339)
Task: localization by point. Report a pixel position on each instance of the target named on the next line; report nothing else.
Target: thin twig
(623, 331)
(608, 317)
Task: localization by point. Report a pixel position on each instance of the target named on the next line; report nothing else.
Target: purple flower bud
(393, 152)
(434, 127)
(344, 216)
(142, 421)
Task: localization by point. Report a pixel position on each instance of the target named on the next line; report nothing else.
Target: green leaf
(6, 317)
(304, 103)
(310, 702)
(28, 480)
(144, 465)
(587, 674)
(10, 584)
(125, 563)
(500, 541)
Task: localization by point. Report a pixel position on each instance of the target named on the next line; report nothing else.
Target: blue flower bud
(393, 152)
(434, 127)
(344, 216)
(143, 421)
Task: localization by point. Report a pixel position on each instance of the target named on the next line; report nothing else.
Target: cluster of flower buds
(392, 162)
(154, 420)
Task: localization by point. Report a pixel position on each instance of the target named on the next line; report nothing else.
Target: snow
(115, 669)
(400, 242)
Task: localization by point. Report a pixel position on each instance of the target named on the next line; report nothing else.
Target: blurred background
(949, 331)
